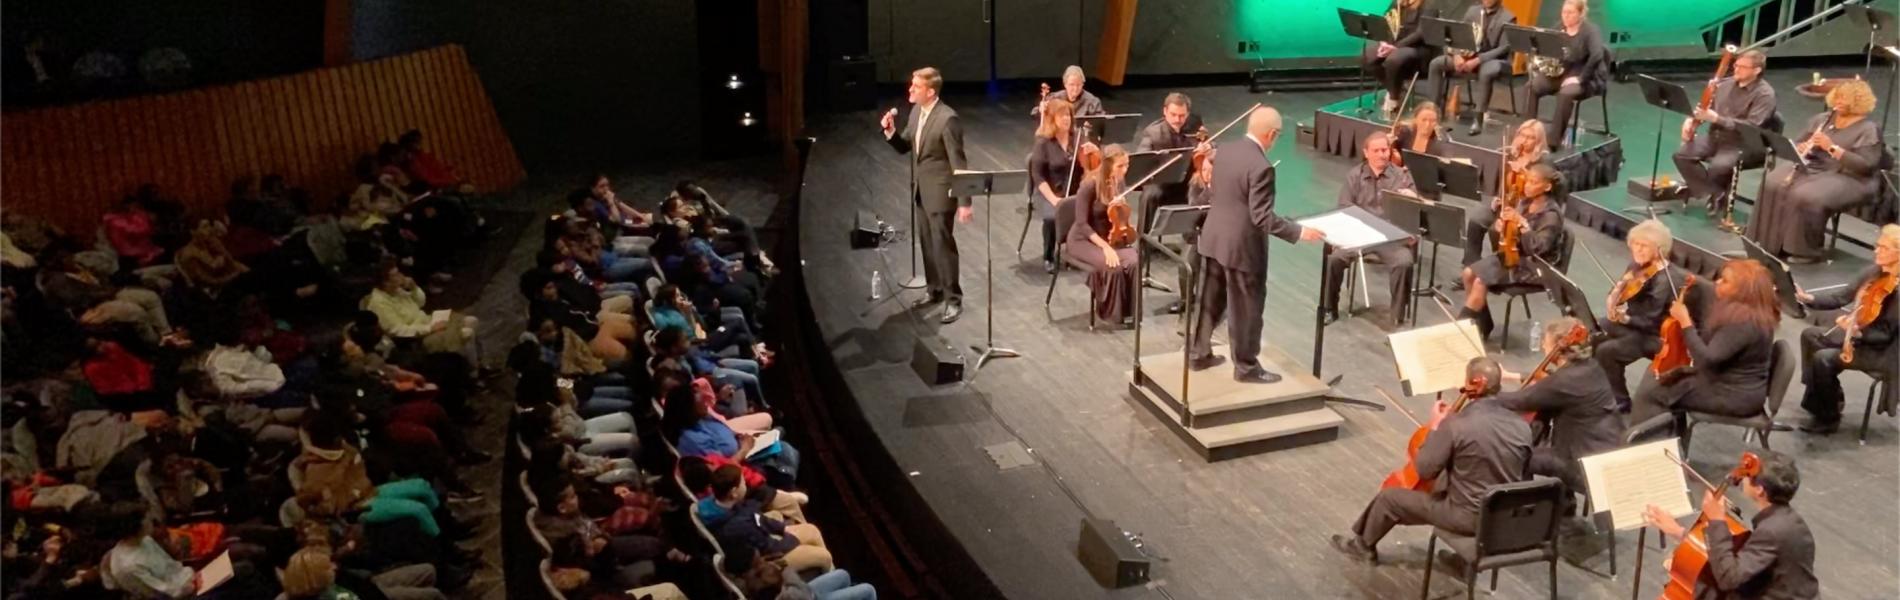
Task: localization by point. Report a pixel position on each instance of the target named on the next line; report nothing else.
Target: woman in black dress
(1586, 71)
(1843, 170)
(1052, 171)
(1112, 270)
(1541, 235)
(1394, 63)
(1420, 133)
(1730, 350)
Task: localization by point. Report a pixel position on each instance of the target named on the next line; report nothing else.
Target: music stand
(1120, 126)
(1448, 34)
(1667, 97)
(1570, 299)
(1371, 28)
(1436, 222)
(970, 184)
(1547, 43)
(1784, 280)
(1876, 21)
(1388, 233)
(1143, 163)
(1438, 176)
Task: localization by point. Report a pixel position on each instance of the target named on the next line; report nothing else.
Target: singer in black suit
(933, 138)
(1234, 243)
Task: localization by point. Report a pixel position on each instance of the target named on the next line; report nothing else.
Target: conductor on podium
(934, 140)
(1234, 243)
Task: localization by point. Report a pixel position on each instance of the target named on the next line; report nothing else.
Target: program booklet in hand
(215, 573)
(763, 441)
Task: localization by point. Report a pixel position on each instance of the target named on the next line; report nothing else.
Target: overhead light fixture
(747, 120)
(733, 83)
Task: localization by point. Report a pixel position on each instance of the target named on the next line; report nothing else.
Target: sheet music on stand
(1433, 359)
(1353, 228)
(1626, 481)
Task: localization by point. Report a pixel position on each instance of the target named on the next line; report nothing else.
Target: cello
(1689, 564)
(1672, 362)
(1406, 477)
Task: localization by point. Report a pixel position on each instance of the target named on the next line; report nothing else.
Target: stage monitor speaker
(936, 362)
(865, 229)
(1110, 556)
(851, 83)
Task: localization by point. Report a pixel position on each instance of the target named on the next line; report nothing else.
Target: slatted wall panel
(70, 164)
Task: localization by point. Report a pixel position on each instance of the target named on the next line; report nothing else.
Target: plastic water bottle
(1537, 337)
(877, 285)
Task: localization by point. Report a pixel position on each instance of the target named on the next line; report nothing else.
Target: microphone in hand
(889, 121)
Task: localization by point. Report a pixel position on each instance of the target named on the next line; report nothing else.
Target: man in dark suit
(934, 140)
(1174, 130)
(1233, 241)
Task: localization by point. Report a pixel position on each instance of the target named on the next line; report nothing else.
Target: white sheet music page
(1626, 481)
(1344, 230)
(1432, 359)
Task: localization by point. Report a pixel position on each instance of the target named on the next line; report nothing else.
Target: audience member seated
(698, 431)
(398, 301)
(739, 525)
(423, 166)
(95, 302)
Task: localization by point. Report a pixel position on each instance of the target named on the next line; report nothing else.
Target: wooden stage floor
(1253, 527)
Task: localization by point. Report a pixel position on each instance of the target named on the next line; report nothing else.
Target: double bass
(1689, 564)
(1673, 362)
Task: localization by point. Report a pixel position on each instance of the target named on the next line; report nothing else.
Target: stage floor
(1253, 527)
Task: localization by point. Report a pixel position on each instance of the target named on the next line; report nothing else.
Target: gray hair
(1073, 72)
(1655, 233)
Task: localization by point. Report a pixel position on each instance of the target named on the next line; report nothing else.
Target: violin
(1406, 477)
(1510, 188)
(1866, 309)
(1577, 335)
(1628, 288)
(1673, 362)
(1689, 564)
(1121, 232)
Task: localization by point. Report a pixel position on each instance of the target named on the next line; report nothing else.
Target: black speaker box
(851, 83)
(1109, 556)
(865, 229)
(936, 362)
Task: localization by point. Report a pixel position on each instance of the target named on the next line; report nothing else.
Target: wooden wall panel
(70, 164)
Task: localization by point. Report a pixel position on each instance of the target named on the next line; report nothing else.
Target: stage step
(1233, 419)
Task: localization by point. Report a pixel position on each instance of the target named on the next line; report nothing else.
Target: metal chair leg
(1494, 579)
(1029, 217)
(1868, 413)
(1431, 558)
(1053, 276)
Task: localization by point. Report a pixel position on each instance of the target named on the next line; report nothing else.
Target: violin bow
(1444, 307)
(1230, 124)
(1395, 403)
(1704, 480)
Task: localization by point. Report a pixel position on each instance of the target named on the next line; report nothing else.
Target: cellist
(1638, 302)
(1540, 233)
(1777, 559)
(1575, 398)
(1824, 350)
(1731, 350)
(1480, 446)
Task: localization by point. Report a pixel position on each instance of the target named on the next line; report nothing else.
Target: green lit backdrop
(1307, 28)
